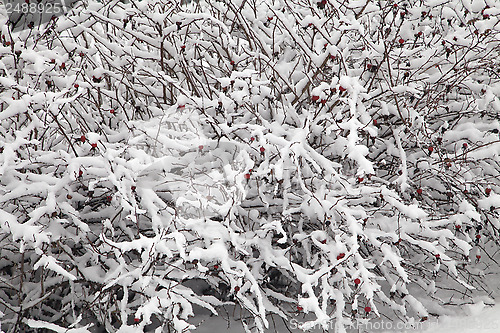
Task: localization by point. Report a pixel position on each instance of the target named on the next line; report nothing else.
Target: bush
(338, 160)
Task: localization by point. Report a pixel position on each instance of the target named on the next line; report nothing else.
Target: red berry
(401, 41)
(216, 266)
(112, 111)
(136, 320)
(109, 198)
(76, 85)
(340, 256)
(252, 139)
(323, 101)
(458, 227)
(63, 66)
(430, 149)
(81, 54)
(357, 281)
(420, 33)
(437, 256)
(487, 191)
(52, 61)
(342, 89)
(478, 236)
(315, 98)
(83, 138)
(360, 179)
(486, 16)
(478, 257)
(80, 173)
(182, 106)
(94, 145)
(420, 191)
(237, 288)
(465, 145)
(375, 122)
(269, 18)
(262, 149)
(465, 191)
(247, 176)
(200, 147)
(299, 308)
(133, 188)
(368, 309)
(183, 47)
(323, 2)
(323, 241)
(7, 43)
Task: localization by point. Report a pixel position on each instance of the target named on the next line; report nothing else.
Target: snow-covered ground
(481, 319)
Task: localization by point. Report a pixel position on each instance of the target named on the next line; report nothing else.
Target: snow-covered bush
(333, 160)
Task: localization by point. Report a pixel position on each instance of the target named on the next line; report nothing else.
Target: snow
(478, 319)
(56, 328)
(51, 264)
(260, 158)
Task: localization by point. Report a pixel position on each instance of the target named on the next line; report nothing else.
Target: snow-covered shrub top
(338, 159)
